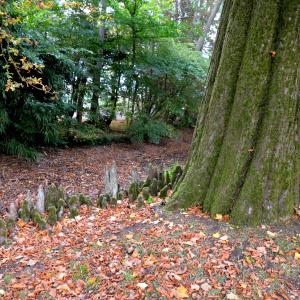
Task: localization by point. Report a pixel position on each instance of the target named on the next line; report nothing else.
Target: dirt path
(82, 169)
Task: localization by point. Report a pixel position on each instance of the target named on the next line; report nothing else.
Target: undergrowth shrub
(145, 129)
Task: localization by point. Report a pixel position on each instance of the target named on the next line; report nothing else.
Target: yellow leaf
(181, 293)
(297, 255)
(248, 260)
(216, 235)
(63, 287)
(91, 280)
(150, 260)
(218, 217)
(129, 236)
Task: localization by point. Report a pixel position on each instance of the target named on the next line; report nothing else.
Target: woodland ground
(81, 169)
(131, 253)
(149, 253)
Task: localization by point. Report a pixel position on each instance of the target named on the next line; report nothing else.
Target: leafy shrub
(29, 123)
(101, 119)
(145, 129)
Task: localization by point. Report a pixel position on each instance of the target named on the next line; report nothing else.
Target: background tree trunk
(206, 28)
(80, 98)
(99, 65)
(245, 153)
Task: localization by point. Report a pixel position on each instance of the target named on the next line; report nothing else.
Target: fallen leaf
(297, 255)
(78, 218)
(181, 293)
(31, 262)
(271, 234)
(92, 280)
(150, 260)
(205, 287)
(63, 287)
(60, 276)
(218, 217)
(232, 296)
(216, 235)
(129, 236)
(142, 285)
(262, 250)
(195, 287)
(224, 238)
(21, 223)
(18, 286)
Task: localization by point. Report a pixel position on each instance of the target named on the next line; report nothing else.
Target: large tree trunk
(245, 153)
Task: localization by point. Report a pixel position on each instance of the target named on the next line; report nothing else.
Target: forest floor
(137, 253)
(150, 253)
(81, 169)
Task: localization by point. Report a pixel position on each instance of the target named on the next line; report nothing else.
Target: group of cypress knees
(52, 202)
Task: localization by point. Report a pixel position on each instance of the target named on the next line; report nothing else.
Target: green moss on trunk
(245, 153)
(195, 184)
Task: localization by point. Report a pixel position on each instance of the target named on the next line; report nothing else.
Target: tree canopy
(89, 60)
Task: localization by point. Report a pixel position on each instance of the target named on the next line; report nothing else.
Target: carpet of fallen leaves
(150, 253)
(82, 169)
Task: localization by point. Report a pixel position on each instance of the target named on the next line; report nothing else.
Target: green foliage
(150, 200)
(29, 75)
(145, 129)
(54, 66)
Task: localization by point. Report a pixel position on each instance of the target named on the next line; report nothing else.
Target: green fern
(14, 147)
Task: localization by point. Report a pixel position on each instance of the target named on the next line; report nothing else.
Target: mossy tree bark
(245, 153)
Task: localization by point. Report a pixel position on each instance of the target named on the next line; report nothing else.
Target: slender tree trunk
(115, 95)
(95, 96)
(80, 100)
(207, 26)
(245, 153)
(99, 64)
